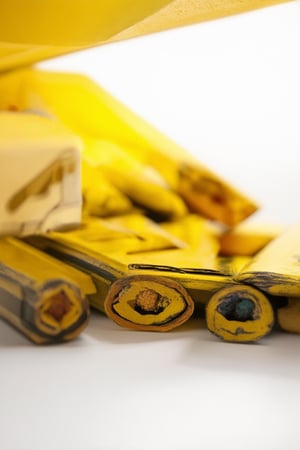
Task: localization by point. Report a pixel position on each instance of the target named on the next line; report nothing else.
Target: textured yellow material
(153, 244)
(31, 31)
(58, 310)
(198, 233)
(136, 265)
(246, 239)
(141, 183)
(178, 13)
(92, 113)
(289, 316)
(100, 197)
(276, 268)
(148, 303)
(40, 296)
(239, 314)
(111, 251)
(40, 177)
(105, 260)
(152, 234)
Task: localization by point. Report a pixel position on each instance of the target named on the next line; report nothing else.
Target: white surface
(118, 389)
(229, 91)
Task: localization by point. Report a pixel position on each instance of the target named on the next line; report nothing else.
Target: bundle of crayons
(160, 233)
(100, 209)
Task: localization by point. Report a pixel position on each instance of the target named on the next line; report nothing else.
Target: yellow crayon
(276, 269)
(288, 315)
(40, 296)
(146, 278)
(239, 313)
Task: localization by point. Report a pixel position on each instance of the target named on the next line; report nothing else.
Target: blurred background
(226, 90)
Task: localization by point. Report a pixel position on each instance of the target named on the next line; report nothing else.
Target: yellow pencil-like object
(41, 297)
(146, 278)
(288, 315)
(276, 269)
(132, 298)
(239, 313)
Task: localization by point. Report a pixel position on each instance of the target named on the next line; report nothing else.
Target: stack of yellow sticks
(160, 233)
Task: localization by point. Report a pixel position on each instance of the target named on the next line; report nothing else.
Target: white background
(229, 91)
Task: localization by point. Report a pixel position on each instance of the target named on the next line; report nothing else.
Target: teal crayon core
(237, 308)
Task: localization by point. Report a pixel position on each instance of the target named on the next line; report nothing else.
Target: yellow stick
(99, 249)
(289, 316)
(276, 269)
(40, 296)
(239, 314)
(145, 278)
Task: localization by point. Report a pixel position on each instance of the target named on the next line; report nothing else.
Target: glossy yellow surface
(31, 31)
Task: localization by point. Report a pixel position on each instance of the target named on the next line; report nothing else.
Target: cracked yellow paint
(256, 324)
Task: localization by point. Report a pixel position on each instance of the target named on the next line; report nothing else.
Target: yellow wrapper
(32, 31)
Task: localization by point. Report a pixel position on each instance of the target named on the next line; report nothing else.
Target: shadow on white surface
(117, 389)
(190, 348)
(191, 345)
(194, 347)
(103, 329)
(276, 356)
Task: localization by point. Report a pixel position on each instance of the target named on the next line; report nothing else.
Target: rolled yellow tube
(148, 303)
(276, 269)
(132, 298)
(41, 297)
(288, 316)
(239, 314)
